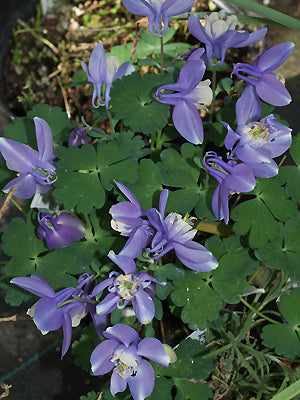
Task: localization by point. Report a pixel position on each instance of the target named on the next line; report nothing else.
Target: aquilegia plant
(155, 221)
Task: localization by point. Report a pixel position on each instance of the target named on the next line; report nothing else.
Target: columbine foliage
(130, 234)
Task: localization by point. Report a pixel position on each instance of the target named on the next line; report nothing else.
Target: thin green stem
(112, 129)
(218, 351)
(18, 207)
(153, 140)
(255, 273)
(161, 53)
(158, 140)
(75, 300)
(213, 87)
(258, 312)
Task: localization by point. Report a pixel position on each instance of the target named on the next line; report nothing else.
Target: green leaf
(224, 85)
(189, 390)
(290, 174)
(190, 362)
(90, 396)
(85, 173)
(162, 389)
(232, 265)
(260, 215)
(284, 251)
(285, 337)
(82, 349)
(167, 273)
(200, 303)
(132, 100)
(267, 12)
(79, 79)
(289, 393)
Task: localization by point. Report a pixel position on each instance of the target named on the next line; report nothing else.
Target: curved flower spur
(104, 70)
(232, 178)
(158, 12)
(123, 353)
(36, 171)
(135, 287)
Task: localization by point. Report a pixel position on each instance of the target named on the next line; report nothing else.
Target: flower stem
(213, 87)
(158, 140)
(77, 299)
(161, 53)
(153, 139)
(112, 129)
(258, 312)
(18, 207)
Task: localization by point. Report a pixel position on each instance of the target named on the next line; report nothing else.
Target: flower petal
(34, 284)
(272, 58)
(123, 333)
(187, 121)
(154, 350)
(101, 356)
(67, 329)
(272, 91)
(108, 304)
(44, 140)
(18, 156)
(195, 256)
(141, 385)
(139, 7)
(117, 384)
(176, 7)
(248, 106)
(126, 264)
(143, 307)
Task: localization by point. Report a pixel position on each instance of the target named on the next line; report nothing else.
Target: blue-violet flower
(135, 287)
(190, 95)
(123, 353)
(262, 78)
(36, 171)
(219, 34)
(232, 177)
(158, 12)
(59, 230)
(54, 310)
(257, 142)
(78, 137)
(104, 70)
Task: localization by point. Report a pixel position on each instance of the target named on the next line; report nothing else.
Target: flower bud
(78, 137)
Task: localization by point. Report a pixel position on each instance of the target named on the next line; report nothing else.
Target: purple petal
(108, 304)
(251, 155)
(265, 170)
(220, 203)
(197, 30)
(101, 286)
(125, 263)
(67, 329)
(272, 58)
(231, 136)
(153, 349)
(176, 7)
(73, 227)
(123, 333)
(18, 156)
(193, 255)
(117, 384)
(130, 196)
(101, 356)
(187, 121)
(189, 77)
(139, 7)
(97, 64)
(143, 307)
(248, 106)
(253, 37)
(99, 321)
(126, 212)
(272, 91)
(44, 140)
(34, 284)
(136, 243)
(241, 178)
(125, 69)
(142, 384)
(46, 316)
(26, 186)
(163, 198)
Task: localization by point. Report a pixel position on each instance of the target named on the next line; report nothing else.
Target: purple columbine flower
(162, 234)
(104, 70)
(123, 353)
(59, 230)
(262, 79)
(36, 171)
(174, 232)
(190, 95)
(219, 34)
(65, 308)
(129, 220)
(232, 177)
(78, 137)
(257, 142)
(158, 12)
(135, 287)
